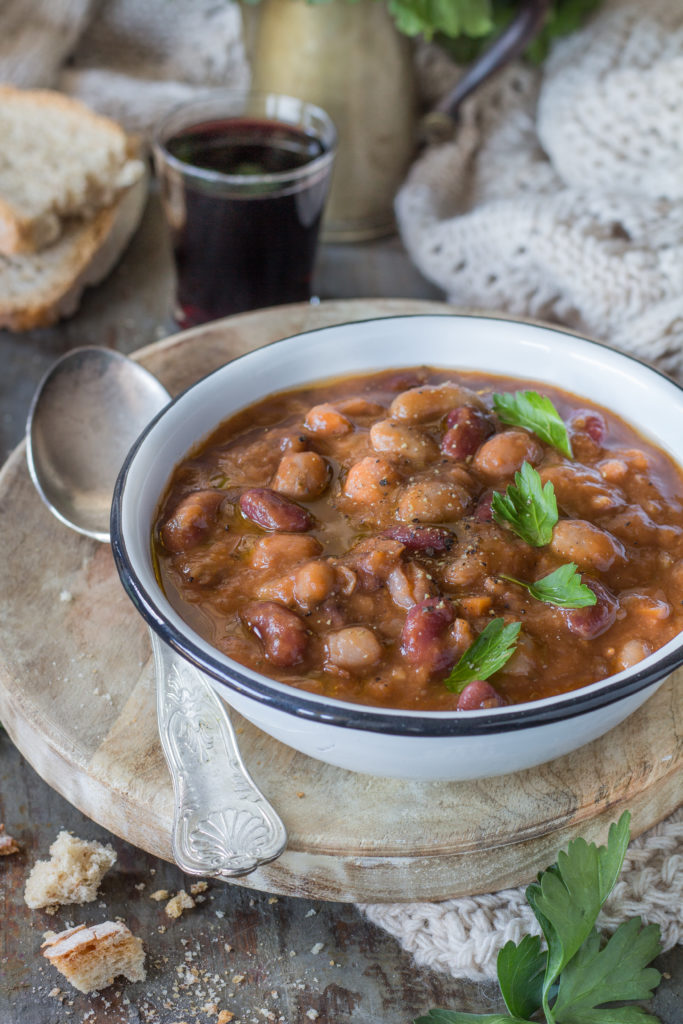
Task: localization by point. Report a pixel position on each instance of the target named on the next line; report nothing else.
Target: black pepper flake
(384, 482)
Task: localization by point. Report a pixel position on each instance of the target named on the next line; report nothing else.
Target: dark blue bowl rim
(356, 716)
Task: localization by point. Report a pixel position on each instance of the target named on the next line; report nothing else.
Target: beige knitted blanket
(561, 196)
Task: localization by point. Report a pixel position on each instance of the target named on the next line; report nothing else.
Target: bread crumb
(198, 887)
(312, 1014)
(90, 958)
(72, 875)
(273, 899)
(65, 596)
(301, 795)
(181, 901)
(7, 843)
(209, 1008)
(237, 979)
(225, 1016)
(316, 949)
(159, 895)
(140, 886)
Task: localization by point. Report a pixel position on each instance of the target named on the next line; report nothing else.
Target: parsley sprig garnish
(489, 652)
(563, 587)
(528, 507)
(579, 973)
(536, 413)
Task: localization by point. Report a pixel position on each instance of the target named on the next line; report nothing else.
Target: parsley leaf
(520, 975)
(563, 588)
(579, 974)
(489, 652)
(568, 896)
(618, 971)
(452, 17)
(536, 413)
(529, 508)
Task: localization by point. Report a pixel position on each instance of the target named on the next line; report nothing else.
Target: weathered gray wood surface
(370, 980)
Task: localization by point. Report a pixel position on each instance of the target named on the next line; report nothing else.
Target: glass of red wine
(244, 178)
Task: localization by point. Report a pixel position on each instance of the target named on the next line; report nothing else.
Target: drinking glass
(244, 177)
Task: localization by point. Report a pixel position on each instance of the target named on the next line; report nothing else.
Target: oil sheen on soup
(426, 539)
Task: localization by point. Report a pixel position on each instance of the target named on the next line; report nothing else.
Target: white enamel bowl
(403, 744)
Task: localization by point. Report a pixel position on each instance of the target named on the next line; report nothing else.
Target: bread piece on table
(7, 843)
(90, 958)
(37, 289)
(72, 875)
(58, 160)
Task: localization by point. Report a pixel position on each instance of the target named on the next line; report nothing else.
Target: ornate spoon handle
(222, 824)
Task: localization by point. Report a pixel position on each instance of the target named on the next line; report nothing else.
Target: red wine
(245, 242)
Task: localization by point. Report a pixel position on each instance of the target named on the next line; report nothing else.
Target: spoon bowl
(86, 413)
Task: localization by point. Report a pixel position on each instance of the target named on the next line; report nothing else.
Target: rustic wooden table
(264, 959)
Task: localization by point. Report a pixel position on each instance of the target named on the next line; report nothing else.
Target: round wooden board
(77, 697)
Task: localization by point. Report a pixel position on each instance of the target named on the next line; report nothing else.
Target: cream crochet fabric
(561, 196)
(463, 936)
(129, 59)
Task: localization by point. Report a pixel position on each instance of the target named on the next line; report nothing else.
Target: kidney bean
(596, 619)
(430, 402)
(433, 501)
(280, 550)
(281, 631)
(479, 695)
(586, 421)
(575, 540)
(327, 421)
(271, 511)
(430, 539)
(369, 480)
(503, 454)
(191, 520)
(467, 429)
(484, 510)
(403, 441)
(302, 475)
(313, 582)
(424, 634)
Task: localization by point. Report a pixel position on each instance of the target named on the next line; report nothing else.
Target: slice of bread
(37, 289)
(72, 875)
(58, 160)
(90, 958)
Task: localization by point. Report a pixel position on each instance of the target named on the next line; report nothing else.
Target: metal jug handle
(439, 124)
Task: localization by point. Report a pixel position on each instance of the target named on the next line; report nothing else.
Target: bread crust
(83, 256)
(20, 233)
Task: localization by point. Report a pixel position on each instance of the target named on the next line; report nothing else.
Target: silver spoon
(86, 413)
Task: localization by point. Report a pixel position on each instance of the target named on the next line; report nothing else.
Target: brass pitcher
(349, 59)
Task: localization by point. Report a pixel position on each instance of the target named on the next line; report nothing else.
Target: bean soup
(427, 540)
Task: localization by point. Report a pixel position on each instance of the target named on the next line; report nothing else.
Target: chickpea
(279, 549)
(575, 540)
(313, 582)
(405, 442)
(430, 402)
(369, 479)
(324, 419)
(302, 475)
(503, 454)
(433, 501)
(353, 648)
